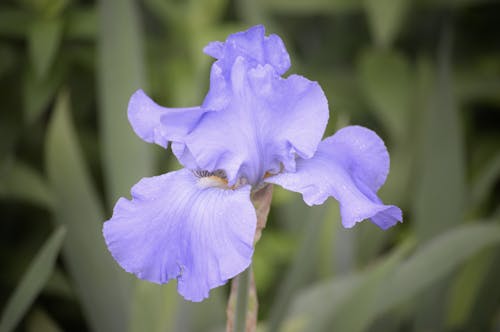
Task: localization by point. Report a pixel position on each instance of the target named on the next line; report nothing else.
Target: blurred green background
(424, 74)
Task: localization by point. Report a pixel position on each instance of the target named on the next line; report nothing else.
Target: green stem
(242, 297)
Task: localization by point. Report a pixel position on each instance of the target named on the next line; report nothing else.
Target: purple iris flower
(255, 126)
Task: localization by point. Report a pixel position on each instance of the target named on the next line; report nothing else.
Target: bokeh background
(424, 74)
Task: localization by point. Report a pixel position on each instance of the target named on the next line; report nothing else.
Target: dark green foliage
(424, 74)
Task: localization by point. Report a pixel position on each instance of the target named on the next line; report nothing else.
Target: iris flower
(254, 127)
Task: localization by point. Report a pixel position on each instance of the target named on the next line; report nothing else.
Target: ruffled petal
(157, 124)
(178, 225)
(254, 46)
(267, 121)
(349, 166)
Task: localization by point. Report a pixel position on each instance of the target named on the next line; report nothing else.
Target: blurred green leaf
(451, 3)
(484, 182)
(45, 8)
(437, 258)
(478, 79)
(485, 308)
(82, 23)
(160, 308)
(299, 7)
(439, 198)
(40, 321)
(315, 303)
(201, 317)
(44, 39)
(352, 302)
(153, 307)
(465, 289)
(100, 285)
(385, 18)
(274, 249)
(38, 93)
(120, 71)
(14, 22)
(7, 58)
(301, 268)
(59, 285)
(20, 181)
(344, 303)
(32, 281)
(387, 81)
(370, 240)
(342, 241)
(311, 6)
(441, 160)
(361, 307)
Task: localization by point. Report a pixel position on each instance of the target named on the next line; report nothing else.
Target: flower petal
(251, 45)
(178, 225)
(349, 166)
(254, 46)
(268, 120)
(157, 124)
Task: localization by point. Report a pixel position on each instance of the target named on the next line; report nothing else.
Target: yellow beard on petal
(213, 181)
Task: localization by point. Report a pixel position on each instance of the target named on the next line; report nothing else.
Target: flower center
(219, 179)
(212, 179)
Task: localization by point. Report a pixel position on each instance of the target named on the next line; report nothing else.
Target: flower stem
(242, 297)
(242, 306)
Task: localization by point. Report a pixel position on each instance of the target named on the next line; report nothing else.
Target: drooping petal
(349, 166)
(267, 121)
(157, 124)
(178, 225)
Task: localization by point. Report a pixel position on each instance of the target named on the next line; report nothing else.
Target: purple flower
(254, 127)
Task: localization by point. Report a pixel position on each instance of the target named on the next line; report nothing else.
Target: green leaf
(315, 303)
(14, 22)
(387, 81)
(441, 159)
(451, 4)
(154, 307)
(484, 183)
(344, 303)
(439, 197)
(120, 71)
(7, 58)
(332, 7)
(20, 181)
(40, 321)
(45, 8)
(301, 268)
(38, 93)
(465, 289)
(436, 259)
(311, 6)
(100, 285)
(32, 281)
(44, 39)
(82, 23)
(385, 18)
(351, 303)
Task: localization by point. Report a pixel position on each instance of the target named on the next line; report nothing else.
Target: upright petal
(157, 124)
(178, 225)
(254, 46)
(267, 121)
(349, 166)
